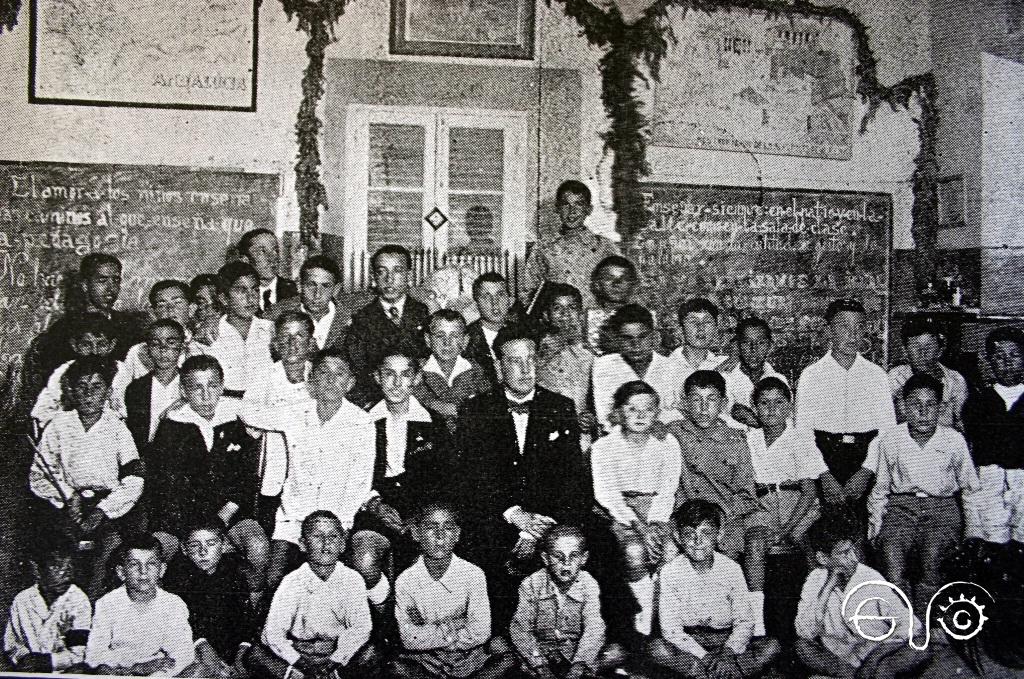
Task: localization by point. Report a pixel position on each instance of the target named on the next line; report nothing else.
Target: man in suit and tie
(490, 292)
(521, 469)
(319, 283)
(393, 321)
(260, 248)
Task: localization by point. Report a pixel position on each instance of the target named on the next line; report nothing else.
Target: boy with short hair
(448, 377)
(211, 582)
(393, 321)
(921, 467)
(91, 335)
(260, 249)
(169, 300)
(830, 643)
(704, 607)
(204, 293)
(698, 321)
(994, 423)
(564, 363)
(490, 292)
(319, 283)
(924, 343)
(612, 284)
(148, 397)
(319, 619)
(442, 608)
(139, 629)
(753, 343)
(557, 629)
(49, 622)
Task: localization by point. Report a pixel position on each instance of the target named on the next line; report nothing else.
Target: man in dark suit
(521, 470)
(490, 292)
(260, 248)
(393, 322)
(147, 397)
(319, 283)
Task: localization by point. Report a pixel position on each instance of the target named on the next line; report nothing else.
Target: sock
(643, 590)
(757, 609)
(379, 592)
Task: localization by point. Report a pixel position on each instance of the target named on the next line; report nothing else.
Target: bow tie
(520, 408)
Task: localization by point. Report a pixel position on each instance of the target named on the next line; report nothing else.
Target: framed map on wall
(746, 81)
(190, 54)
(497, 29)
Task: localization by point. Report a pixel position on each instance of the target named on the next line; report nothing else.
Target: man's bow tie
(520, 408)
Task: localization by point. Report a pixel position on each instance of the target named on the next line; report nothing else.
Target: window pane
(475, 224)
(396, 155)
(394, 217)
(475, 158)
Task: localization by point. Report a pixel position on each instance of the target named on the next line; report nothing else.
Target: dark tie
(266, 299)
(395, 317)
(519, 408)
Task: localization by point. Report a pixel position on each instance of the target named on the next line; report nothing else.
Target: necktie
(266, 299)
(395, 317)
(519, 408)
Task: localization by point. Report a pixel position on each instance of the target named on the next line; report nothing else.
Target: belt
(765, 488)
(921, 493)
(233, 393)
(855, 437)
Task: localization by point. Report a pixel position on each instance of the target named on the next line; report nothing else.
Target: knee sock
(643, 590)
(757, 609)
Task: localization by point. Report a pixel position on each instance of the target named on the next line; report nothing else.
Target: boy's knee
(634, 558)
(497, 645)
(770, 648)
(368, 551)
(659, 650)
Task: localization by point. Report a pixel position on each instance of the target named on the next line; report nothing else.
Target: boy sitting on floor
(319, 618)
(139, 629)
(442, 608)
(49, 622)
(704, 606)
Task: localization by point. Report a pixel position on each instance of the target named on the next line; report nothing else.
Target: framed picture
(498, 29)
(184, 54)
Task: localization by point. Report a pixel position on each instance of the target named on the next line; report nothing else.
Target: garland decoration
(317, 19)
(647, 42)
(9, 10)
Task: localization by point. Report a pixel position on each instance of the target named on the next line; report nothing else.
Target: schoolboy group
(262, 487)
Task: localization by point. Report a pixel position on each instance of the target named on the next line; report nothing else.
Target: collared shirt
(185, 414)
(161, 397)
(611, 371)
(716, 466)
(940, 468)
(71, 459)
(50, 401)
(397, 431)
(489, 337)
(792, 457)
(954, 394)
(272, 390)
(322, 327)
(820, 616)
(34, 627)
(398, 306)
(433, 366)
(683, 368)
(268, 293)
(621, 468)
(138, 362)
(306, 608)
(549, 621)
(832, 399)
(570, 258)
(718, 599)
(330, 464)
(1010, 395)
(739, 388)
(459, 597)
(242, 359)
(125, 632)
(521, 420)
(567, 372)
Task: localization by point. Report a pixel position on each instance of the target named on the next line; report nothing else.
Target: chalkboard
(780, 254)
(160, 221)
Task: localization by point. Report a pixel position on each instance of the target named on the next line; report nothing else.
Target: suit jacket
(137, 402)
(286, 289)
(548, 478)
(996, 434)
(372, 334)
(336, 334)
(478, 351)
(428, 465)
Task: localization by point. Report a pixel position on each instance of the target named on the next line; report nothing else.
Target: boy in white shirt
(698, 321)
(753, 343)
(921, 467)
(704, 606)
(170, 300)
(924, 343)
(49, 622)
(139, 629)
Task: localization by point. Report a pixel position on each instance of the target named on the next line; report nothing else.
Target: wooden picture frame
(485, 29)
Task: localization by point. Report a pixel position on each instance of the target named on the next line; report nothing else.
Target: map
(749, 82)
(174, 53)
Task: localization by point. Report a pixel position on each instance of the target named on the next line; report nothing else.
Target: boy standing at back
(698, 320)
(612, 283)
(490, 292)
(753, 343)
(169, 300)
(448, 377)
(924, 344)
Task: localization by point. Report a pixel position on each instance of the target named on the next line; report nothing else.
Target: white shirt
(684, 368)
(322, 328)
(242, 359)
(739, 388)
(490, 336)
(305, 607)
(185, 414)
(619, 466)
(125, 633)
(832, 399)
(72, 459)
(793, 456)
(954, 393)
(611, 371)
(270, 287)
(330, 464)
(397, 430)
(422, 603)
(272, 390)
(823, 619)
(718, 599)
(160, 399)
(49, 402)
(940, 468)
(399, 305)
(520, 420)
(34, 627)
(1010, 395)
(138, 362)
(461, 365)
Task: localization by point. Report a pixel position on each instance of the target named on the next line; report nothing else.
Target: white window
(410, 168)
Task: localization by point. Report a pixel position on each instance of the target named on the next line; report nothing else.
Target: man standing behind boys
(260, 249)
(393, 321)
(845, 400)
